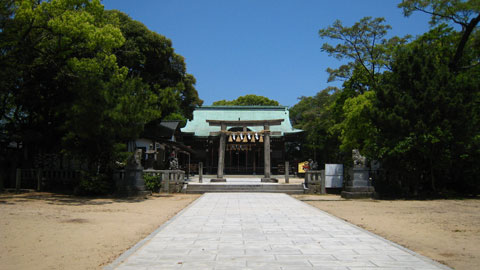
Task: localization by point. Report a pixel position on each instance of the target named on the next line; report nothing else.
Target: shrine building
(247, 140)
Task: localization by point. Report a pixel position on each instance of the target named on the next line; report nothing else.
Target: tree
(364, 44)
(369, 54)
(74, 82)
(427, 116)
(151, 57)
(463, 13)
(48, 48)
(357, 130)
(247, 100)
(314, 115)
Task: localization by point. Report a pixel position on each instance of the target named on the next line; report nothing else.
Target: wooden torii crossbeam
(244, 123)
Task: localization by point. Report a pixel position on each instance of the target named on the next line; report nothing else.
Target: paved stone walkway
(264, 231)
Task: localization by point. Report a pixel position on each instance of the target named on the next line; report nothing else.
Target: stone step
(243, 191)
(289, 189)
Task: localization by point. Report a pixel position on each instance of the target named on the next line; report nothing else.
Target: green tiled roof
(199, 126)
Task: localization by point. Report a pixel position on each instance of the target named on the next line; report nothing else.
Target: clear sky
(263, 47)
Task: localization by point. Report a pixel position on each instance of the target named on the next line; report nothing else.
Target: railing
(172, 175)
(315, 181)
(168, 178)
(37, 178)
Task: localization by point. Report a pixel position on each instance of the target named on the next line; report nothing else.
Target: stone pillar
(166, 181)
(221, 155)
(323, 189)
(266, 152)
(200, 172)
(267, 164)
(287, 169)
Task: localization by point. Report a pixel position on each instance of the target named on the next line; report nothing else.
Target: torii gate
(244, 123)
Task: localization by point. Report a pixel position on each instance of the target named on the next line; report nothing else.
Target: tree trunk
(463, 41)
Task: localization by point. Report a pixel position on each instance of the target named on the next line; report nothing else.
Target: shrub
(152, 182)
(93, 184)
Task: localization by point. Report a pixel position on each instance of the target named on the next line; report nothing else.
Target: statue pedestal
(132, 183)
(360, 186)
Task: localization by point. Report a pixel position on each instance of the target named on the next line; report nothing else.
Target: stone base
(314, 189)
(360, 189)
(358, 192)
(218, 180)
(269, 180)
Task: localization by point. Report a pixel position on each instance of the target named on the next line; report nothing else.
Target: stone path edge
(145, 240)
(424, 258)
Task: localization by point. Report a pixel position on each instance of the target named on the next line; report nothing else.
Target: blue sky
(263, 47)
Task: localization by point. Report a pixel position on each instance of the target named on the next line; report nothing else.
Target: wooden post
(200, 172)
(287, 169)
(18, 180)
(266, 152)
(221, 152)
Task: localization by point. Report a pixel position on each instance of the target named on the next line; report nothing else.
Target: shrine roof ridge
(207, 119)
(249, 107)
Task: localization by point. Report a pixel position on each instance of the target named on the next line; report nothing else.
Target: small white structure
(334, 175)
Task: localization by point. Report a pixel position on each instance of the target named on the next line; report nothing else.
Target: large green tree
(413, 106)
(465, 14)
(427, 116)
(151, 57)
(368, 54)
(247, 100)
(314, 115)
(59, 68)
(363, 45)
(81, 81)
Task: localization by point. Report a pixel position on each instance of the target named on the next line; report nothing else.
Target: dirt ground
(48, 231)
(447, 231)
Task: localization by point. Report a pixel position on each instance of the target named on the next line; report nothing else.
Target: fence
(315, 181)
(172, 180)
(44, 179)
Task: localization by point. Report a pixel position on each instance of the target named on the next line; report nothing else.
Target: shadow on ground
(63, 199)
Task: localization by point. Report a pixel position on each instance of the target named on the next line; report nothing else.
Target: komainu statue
(359, 161)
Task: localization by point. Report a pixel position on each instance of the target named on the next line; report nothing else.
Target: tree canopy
(466, 14)
(411, 104)
(247, 100)
(82, 81)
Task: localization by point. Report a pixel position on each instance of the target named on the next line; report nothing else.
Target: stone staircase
(269, 188)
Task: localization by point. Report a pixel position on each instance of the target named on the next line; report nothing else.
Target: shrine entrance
(242, 141)
(226, 143)
(244, 152)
